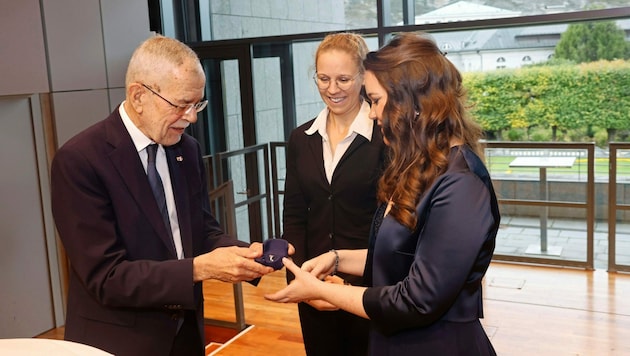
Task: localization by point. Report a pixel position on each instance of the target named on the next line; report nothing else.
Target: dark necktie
(156, 186)
(160, 197)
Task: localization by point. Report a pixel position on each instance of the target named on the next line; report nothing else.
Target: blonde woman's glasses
(343, 82)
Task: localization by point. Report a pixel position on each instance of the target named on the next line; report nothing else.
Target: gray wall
(62, 69)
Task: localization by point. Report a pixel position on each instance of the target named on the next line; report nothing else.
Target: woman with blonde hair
(333, 165)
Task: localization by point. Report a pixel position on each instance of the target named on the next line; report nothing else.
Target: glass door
(251, 103)
(228, 126)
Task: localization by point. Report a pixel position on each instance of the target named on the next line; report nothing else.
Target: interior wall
(26, 307)
(75, 53)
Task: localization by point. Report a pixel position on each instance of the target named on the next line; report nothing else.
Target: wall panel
(75, 111)
(26, 307)
(125, 26)
(22, 52)
(76, 54)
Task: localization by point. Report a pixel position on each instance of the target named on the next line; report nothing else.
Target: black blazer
(319, 216)
(127, 287)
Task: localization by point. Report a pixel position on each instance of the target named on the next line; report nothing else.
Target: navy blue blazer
(127, 288)
(425, 296)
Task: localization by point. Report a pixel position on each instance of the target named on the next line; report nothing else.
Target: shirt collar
(362, 124)
(140, 140)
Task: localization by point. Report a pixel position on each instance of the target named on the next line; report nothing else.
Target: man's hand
(230, 264)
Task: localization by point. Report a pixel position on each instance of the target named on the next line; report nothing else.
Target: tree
(592, 41)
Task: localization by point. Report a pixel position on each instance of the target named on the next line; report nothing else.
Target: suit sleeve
(446, 260)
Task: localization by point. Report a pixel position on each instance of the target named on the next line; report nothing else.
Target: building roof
(463, 11)
(543, 36)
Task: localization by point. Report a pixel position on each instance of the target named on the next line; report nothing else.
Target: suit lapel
(134, 177)
(354, 145)
(315, 145)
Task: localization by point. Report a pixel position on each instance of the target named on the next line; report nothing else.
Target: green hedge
(560, 98)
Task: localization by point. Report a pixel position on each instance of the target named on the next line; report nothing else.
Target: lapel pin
(179, 158)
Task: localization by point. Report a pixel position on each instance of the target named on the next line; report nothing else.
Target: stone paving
(566, 239)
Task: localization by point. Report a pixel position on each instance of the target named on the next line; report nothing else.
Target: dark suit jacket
(319, 216)
(127, 289)
(426, 286)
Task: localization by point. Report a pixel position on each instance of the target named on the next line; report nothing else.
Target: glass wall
(222, 19)
(267, 90)
(238, 19)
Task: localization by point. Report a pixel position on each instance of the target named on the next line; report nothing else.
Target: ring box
(273, 252)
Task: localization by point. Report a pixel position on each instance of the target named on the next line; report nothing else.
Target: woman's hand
(304, 287)
(323, 305)
(321, 266)
(326, 295)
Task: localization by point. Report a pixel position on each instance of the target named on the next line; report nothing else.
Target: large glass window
(533, 70)
(221, 20)
(224, 20)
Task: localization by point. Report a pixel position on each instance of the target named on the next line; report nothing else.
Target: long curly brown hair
(425, 111)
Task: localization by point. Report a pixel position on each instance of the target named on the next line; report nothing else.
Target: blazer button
(330, 235)
(330, 197)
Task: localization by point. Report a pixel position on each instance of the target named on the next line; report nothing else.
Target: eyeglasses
(182, 109)
(343, 82)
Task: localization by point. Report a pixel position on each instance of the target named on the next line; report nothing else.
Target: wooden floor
(529, 310)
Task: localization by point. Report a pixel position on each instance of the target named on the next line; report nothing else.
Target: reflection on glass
(515, 47)
(427, 12)
(221, 20)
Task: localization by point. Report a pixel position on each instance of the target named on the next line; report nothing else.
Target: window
(500, 63)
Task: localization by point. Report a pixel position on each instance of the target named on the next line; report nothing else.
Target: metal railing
(537, 201)
(614, 206)
(543, 203)
(274, 148)
(219, 171)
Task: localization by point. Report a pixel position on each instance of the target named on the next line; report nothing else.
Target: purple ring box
(273, 252)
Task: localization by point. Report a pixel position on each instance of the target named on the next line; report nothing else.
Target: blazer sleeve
(446, 261)
(295, 210)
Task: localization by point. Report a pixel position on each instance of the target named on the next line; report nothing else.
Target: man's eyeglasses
(182, 109)
(343, 82)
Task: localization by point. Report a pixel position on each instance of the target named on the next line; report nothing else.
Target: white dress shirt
(141, 142)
